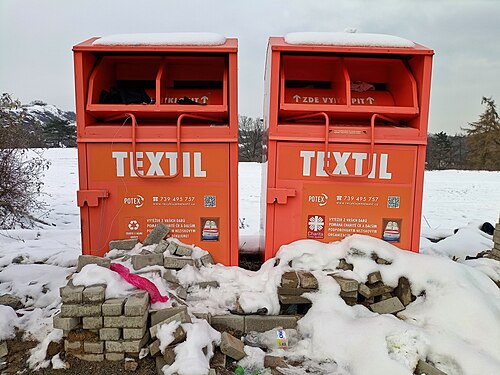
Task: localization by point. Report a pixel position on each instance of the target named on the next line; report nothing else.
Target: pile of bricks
(96, 328)
(374, 294)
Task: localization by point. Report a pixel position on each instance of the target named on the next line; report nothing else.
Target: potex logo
(316, 227)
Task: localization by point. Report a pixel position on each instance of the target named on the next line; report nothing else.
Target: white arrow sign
(204, 99)
(296, 98)
(370, 100)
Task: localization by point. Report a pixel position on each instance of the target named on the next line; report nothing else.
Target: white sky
(36, 37)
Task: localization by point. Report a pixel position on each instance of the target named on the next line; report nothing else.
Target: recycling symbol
(133, 225)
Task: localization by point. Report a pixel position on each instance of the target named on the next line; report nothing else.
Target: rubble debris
(83, 260)
(12, 301)
(128, 244)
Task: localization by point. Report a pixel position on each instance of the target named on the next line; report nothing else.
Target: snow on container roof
(161, 39)
(348, 39)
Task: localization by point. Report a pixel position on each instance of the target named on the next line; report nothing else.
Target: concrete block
(12, 301)
(374, 290)
(207, 260)
(232, 347)
(71, 294)
(263, 323)
(66, 324)
(346, 285)
(177, 263)
(74, 311)
(403, 291)
(307, 280)
(93, 347)
(180, 316)
(160, 315)
(137, 304)
(72, 345)
(343, 265)
(110, 334)
(128, 244)
(167, 359)
(385, 296)
(172, 246)
(204, 316)
(157, 234)
(273, 362)
(170, 276)
(228, 322)
(183, 251)
(140, 261)
(92, 322)
(134, 333)
(83, 260)
(126, 321)
(94, 294)
(161, 247)
(496, 251)
(4, 350)
(113, 307)
(154, 348)
(115, 357)
(374, 277)
(293, 300)
(424, 368)
(383, 261)
(181, 292)
(212, 372)
(353, 294)
(127, 346)
(290, 280)
(293, 291)
(90, 357)
(388, 306)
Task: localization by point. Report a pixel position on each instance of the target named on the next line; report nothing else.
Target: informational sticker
(210, 228)
(316, 227)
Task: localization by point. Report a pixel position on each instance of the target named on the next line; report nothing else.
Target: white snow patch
(166, 334)
(8, 319)
(58, 363)
(348, 39)
(189, 356)
(254, 359)
(37, 359)
(159, 39)
(93, 274)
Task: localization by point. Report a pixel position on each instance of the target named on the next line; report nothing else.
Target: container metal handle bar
(327, 160)
(177, 142)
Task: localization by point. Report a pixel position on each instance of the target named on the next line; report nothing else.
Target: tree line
(476, 148)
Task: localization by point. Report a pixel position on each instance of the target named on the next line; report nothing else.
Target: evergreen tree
(59, 133)
(483, 139)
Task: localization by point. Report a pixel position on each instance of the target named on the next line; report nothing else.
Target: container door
(194, 204)
(376, 201)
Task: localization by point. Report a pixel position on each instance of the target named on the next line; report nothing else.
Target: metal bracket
(90, 197)
(280, 196)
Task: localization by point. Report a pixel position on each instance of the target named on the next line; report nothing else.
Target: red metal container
(346, 130)
(172, 158)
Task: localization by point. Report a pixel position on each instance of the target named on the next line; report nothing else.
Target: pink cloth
(139, 282)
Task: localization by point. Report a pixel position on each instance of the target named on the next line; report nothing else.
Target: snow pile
(348, 39)
(160, 39)
(454, 323)
(166, 334)
(93, 274)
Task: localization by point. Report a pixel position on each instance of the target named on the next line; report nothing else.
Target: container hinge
(280, 196)
(90, 197)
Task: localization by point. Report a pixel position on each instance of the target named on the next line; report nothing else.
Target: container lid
(348, 39)
(161, 39)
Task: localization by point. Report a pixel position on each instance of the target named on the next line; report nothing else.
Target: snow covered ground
(455, 323)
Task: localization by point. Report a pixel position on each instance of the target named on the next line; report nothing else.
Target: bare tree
(250, 138)
(20, 168)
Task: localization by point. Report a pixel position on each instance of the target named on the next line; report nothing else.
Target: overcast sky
(36, 37)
